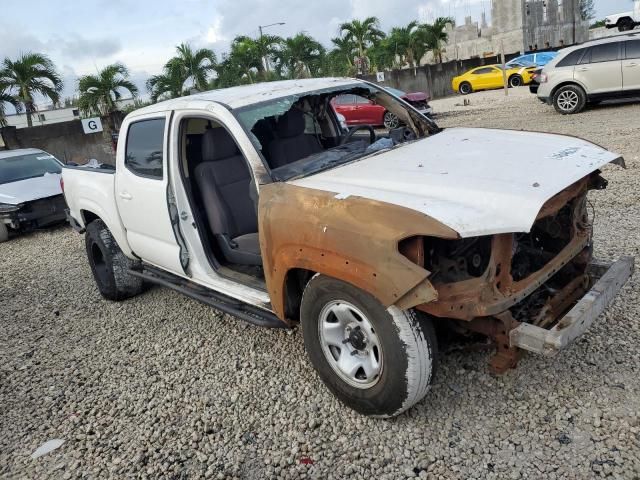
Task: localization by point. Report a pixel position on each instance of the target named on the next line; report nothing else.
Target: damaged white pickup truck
(256, 201)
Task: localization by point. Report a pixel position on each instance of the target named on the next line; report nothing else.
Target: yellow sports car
(489, 77)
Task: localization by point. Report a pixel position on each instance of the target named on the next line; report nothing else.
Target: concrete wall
(433, 79)
(66, 141)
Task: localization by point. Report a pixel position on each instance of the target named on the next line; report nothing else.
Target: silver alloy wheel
(568, 100)
(391, 120)
(350, 344)
(465, 89)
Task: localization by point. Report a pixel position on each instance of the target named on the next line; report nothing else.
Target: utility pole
(504, 70)
(260, 27)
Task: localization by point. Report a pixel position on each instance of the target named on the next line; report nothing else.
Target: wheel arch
(574, 83)
(91, 212)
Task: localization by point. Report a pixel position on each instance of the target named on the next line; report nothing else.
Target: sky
(81, 37)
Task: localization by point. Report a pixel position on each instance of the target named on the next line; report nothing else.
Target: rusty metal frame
(318, 231)
(496, 291)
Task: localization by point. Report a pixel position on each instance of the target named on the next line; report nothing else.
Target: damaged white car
(254, 200)
(30, 192)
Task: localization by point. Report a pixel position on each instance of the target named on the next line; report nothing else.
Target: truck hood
(476, 181)
(30, 189)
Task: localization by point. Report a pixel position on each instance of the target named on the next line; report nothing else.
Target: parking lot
(161, 386)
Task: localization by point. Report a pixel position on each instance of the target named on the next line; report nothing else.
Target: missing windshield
(298, 135)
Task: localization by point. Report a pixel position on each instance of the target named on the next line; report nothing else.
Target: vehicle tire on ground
(515, 81)
(569, 99)
(377, 361)
(626, 24)
(4, 232)
(465, 88)
(109, 265)
(391, 120)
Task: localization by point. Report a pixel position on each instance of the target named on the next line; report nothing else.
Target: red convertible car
(361, 111)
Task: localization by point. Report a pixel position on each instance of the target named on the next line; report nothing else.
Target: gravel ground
(161, 386)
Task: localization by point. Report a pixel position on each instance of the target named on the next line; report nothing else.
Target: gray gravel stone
(164, 387)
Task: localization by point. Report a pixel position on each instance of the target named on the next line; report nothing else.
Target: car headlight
(8, 208)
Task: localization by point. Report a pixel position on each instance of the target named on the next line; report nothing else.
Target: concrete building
(47, 115)
(517, 26)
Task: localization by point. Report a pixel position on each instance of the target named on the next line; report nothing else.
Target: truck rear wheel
(377, 361)
(110, 267)
(4, 232)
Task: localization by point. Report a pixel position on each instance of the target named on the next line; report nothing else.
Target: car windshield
(299, 135)
(31, 165)
(396, 92)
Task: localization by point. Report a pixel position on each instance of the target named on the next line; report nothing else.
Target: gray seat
(292, 144)
(224, 181)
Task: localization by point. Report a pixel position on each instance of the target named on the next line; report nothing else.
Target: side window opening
(145, 148)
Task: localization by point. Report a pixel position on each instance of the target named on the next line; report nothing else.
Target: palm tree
(434, 36)
(300, 56)
(363, 34)
(11, 100)
(100, 93)
(403, 41)
(168, 84)
(31, 74)
(340, 57)
(196, 65)
(263, 48)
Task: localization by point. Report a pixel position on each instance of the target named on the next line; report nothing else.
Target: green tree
(339, 60)
(99, 94)
(434, 36)
(300, 56)
(363, 34)
(195, 65)
(587, 9)
(30, 74)
(263, 49)
(402, 41)
(168, 84)
(6, 98)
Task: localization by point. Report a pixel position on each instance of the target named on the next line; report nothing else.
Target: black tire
(626, 24)
(4, 232)
(465, 88)
(408, 349)
(515, 81)
(109, 265)
(569, 99)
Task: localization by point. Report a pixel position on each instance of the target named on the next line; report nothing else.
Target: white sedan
(30, 192)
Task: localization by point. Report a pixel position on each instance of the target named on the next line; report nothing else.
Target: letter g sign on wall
(91, 125)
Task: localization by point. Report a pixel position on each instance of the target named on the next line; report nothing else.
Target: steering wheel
(372, 134)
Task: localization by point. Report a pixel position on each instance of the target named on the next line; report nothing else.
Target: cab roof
(243, 95)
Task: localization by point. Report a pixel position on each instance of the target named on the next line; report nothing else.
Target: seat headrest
(217, 144)
(291, 124)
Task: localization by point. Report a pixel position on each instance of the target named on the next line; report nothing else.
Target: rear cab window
(145, 148)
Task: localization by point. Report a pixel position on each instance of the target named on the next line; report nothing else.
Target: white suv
(592, 72)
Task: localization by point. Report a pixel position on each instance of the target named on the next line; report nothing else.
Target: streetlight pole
(260, 27)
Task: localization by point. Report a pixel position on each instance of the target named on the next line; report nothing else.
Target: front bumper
(37, 213)
(610, 279)
(73, 222)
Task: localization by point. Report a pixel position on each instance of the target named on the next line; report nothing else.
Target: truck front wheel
(377, 361)
(110, 267)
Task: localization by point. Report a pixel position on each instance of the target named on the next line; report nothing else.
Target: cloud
(74, 45)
